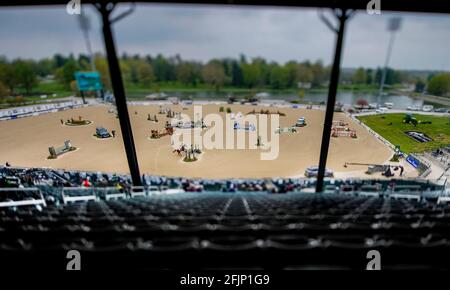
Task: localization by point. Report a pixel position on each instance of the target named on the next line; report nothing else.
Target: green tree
(237, 77)
(145, 73)
(125, 68)
(304, 73)
(102, 67)
(319, 73)
(133, 73)
(279, 77)
(420, 86)
(3, 91)
(213, 73)
(369, 76)
(378, 74)
(163, 68)
(439, 85)
(3, 65)
(187, 73)
(84, 62)
(359, 77)
(129, 67)
(8, 75)
(26, 76)
(251, 75)
(59, 60)
(291, 71)
(45, 67)
(66, 74)
(392, 77)
(263, 70)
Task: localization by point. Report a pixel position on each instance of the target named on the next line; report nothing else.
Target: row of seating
(214, 229)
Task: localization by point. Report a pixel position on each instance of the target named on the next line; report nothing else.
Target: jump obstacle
(162, 111)
(55, 152)
(154, 119)
(236, 116)
(155, 134)
(337, 132)
(250, 127)
(266, 112)
(341, 129)
(280, 130)
(79, 122)
(190, 125)
(170, 114)
(339, 123)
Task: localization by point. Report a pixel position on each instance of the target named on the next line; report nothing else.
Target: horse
(180, 150)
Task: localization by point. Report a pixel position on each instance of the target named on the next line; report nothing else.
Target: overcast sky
(205, 32)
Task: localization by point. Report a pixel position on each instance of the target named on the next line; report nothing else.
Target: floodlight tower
(85, 26)
(393, 26)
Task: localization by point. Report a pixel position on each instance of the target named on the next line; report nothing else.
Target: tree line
(19, 75)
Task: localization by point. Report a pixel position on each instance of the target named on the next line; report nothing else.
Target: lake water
(347, 98)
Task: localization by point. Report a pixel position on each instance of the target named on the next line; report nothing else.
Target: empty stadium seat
(294, 230)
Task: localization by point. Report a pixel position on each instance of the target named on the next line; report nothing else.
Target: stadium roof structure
(428, 6)
(343, 10)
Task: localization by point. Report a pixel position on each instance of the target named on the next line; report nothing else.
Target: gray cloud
(204, 32)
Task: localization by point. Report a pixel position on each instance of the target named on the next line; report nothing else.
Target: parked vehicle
(102, 132)
(381, 110)
(301, 122)
(442, 110)
(313, 171)
(389, 105)
(413, 108)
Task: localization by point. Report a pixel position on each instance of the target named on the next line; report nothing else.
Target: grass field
(46, 88)
(439, 130)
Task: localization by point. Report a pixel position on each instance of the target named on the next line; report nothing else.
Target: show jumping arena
(25, 142)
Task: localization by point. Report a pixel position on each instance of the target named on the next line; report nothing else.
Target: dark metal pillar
(83, 97)
(332, 90)
(105, 10)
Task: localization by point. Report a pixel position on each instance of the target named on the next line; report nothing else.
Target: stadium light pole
(393, 26)
(342, 15)
(85, 26)
(105, 10)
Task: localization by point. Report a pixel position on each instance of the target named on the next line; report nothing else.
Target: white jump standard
(55, 152)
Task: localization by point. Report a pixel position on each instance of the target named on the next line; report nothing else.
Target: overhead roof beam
(428, 6)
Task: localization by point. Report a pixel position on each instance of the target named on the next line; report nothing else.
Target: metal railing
(14, 197)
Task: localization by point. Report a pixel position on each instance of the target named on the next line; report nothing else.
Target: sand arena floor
(25, 142)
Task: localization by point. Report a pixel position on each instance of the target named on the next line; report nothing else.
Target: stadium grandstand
(275, 224)
(138, 220)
